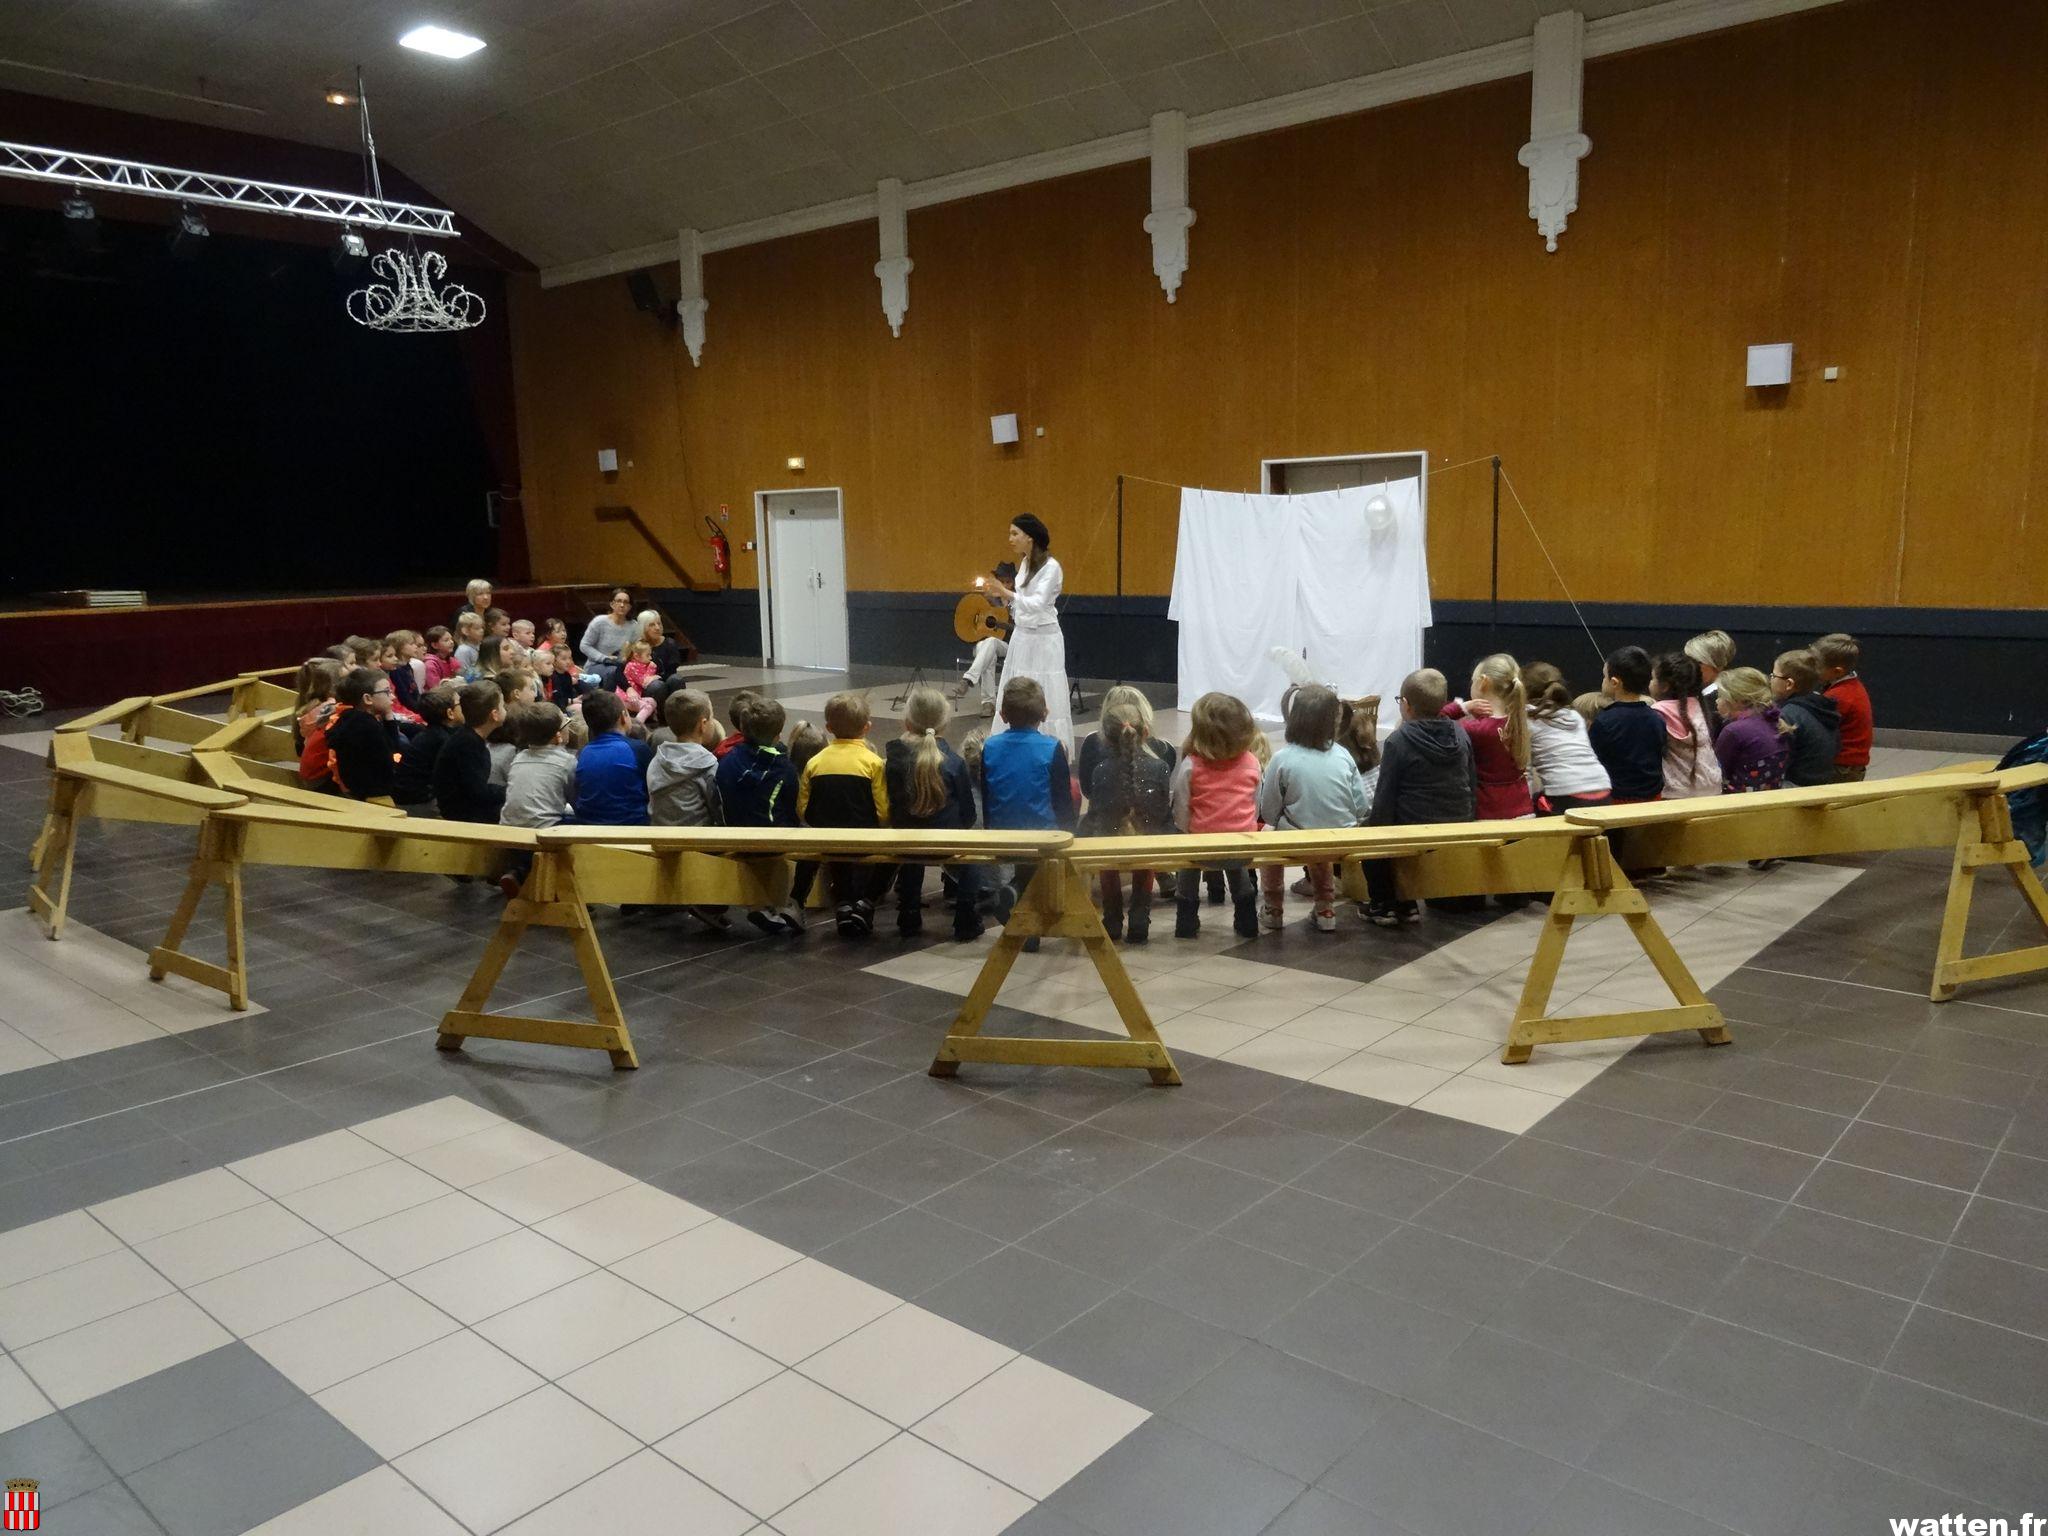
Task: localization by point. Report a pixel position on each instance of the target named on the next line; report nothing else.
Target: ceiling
(587, 127)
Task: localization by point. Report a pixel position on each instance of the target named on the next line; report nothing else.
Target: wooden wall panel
(1869, 180)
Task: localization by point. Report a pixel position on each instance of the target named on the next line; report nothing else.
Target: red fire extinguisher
(721, 552)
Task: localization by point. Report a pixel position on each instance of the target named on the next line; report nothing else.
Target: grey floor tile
(912, 1167)
(1372, 1338)
(1113, 1237)
(1014, 1297)
(2022, 1180)
(253, 1473)
(757, 1108)
(107, 1511)
(770, 1053)
(732, 1176)
(1324, 1111)
(1281, 1410)
(1744, 1476)
(1963, 1447)
(1166, 1119)
(658, 1145)
(1608, 1132)
(1595, 1323)
(1193, 1192)
(1713, 1213)
(836, 1079)
(1661, 1265)
(995, 1127)
(1931, 1159)
(1446, 1274)
(814, 1212)
(1883, 1200)
(1440, 1478)
(56, 1455)
(2006, 1231)
(1513, 1221)
(1005, 1202)
(1644, 1093)
(909, 1252)
(1143, 1352)
(1948, 1098)
(1317, 1513)
(1592, 1506)
(1802, 1307)
(1771, 1172)
(1376, 1181)
(1162, 1477)
(1557, 1407)
(1772, 1123)
(1558, 1172)
(1827, 1092)
(173, 1410)
(1830, 1053)
(1854, 1251)
(1855, 1499)
(1436, 1139)
(1991, 1290)
(1087, 1158)
(1783, 1386)
(1961, 1355)
(1045, 1522)
(1323, 1234)
(1252, 1144)
(1227, 1284)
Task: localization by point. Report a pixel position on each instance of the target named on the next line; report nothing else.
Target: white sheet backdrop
(1306, 572)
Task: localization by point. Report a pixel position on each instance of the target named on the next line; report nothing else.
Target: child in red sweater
(1838, 655)
(1496, 721)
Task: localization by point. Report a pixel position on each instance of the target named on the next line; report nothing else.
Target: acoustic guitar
(980, 616)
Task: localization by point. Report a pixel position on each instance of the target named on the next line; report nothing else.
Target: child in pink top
(439, 662)
(1216, 789)
(1496, 721)
(636, 674)
(1691, 767)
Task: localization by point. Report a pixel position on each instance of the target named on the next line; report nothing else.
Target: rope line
(1577, 612)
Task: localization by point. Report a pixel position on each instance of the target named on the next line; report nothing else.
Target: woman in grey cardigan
(607, 635)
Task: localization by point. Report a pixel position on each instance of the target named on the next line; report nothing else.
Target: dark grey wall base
(1956, 672)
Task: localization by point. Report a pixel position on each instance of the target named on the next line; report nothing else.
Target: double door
(806, 606)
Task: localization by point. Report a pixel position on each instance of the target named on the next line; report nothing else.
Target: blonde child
(1130, 793)
(1496, 721)
(1839, 656)
(929, 790)
(469, 631)
(1310, 784)
(1714, 653)
(400, 677)
(1690, 767)
(522, 631)
(636, 676)
(844, 785)
(408, 681)
(1215, 788)
(1753, 747)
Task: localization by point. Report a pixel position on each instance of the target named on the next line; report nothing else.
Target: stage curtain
(1364, 594)
(1235, 595)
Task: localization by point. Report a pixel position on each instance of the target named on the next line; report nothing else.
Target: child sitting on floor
(1839, 656)
(1567, 771)
(541, 784)
(440, 660)
(469, 631)
(757, 787)
(401, 653)
(1216, 789)
(311, 711)
(1426, 775)
(1026, 784)
(412, 782)
(1628, 735)
(844, 786)
(682, 778)
(929, 789)
(1130, 793)
(362, 738)
(1690, 767)
(1496, 721)
(1310, 784)
(1753, 747)
(462, 773)
(611, 773)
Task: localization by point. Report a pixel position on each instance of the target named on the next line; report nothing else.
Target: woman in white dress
(1037, 648)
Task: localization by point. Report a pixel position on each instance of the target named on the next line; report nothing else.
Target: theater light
(441, 42)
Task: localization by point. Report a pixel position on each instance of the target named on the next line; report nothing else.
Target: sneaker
(1408, 911)
(1271, 918)
(1383, 915)
(967, 933)
(864, 918)
(768, 922)
(1302, 887)
(845, 921)
(1187, 920)
(509, 883)
(791, 920)
(1113, 925)
(1245, 920)
(713, 918)
(957, 690)
(1325, 919)
(1006, 901)
(1138, 932)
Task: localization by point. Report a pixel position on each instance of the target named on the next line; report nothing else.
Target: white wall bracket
(1556, 146)
(690, 307)
(1171, 216)
(894, 267)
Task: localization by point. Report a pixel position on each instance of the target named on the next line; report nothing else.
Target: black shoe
(967, 933)
(909, 924)
(1383, 914)
(847, 923)
(1408, 911)
(1218, 891)
(1187, 920)
(1139, 932)
(1246, 920)
(864, 918)
(769, 923)
(1006, 901)
(1113, 924)
(1031, 945)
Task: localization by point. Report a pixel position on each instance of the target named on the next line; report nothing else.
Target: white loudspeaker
(607, 461)
(1770, 365)
(1003, 429)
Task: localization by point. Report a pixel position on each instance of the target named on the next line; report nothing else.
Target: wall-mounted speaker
(1003, 429)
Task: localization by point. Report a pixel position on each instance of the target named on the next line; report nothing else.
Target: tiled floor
(298, 1272)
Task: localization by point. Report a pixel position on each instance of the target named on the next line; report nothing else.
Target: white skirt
(1041, 655)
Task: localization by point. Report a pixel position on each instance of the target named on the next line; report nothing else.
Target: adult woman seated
(606, 637)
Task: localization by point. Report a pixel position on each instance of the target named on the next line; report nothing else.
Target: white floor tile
(1551, 1069)
(403, 1403)
(484, 1154)
(18, 1053)
(288, 1286)
(1402, 1007)
(577, 1323)
(615, 1226)
(1309, 986)
(67, 1298)
(795, 1312)
(426, 1234)
(171, 1207)
(1101, 1014)
(1482, 1018)
(227, 1243)
(1176, 992)
(305, 1163)
(1257, 1010)
(116, 1350)
(695, 1268)
(57, 1243)
(1382, 1077)
(907, 1363)
(771, 1447)
(906, 1486)
(1337, 1026)
(485, 1281)
(426, 1125)
(1429, 1047)
(21, 1400)
(1288, 1055)
(379, 1503)
(656, 1385)
(1203, 1035)
(1473, 1098)
(366, 1195)
(1030, 1425)
(351, 1336)
(516, 1458)
(1229, 971)
(98, 1035)
(645, 1495)
(550, 1186)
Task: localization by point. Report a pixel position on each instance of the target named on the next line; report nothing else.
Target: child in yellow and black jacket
(843, 786)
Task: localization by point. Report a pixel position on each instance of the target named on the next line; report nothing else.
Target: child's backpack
(2029, 809)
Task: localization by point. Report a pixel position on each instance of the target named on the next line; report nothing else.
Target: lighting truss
(63, 168)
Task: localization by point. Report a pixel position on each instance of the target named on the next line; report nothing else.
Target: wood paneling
(1869, 181)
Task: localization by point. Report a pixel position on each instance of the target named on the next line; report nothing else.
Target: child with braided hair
(1130, 793)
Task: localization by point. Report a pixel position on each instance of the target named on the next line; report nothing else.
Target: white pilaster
(690, 307)
(894, 267)
(1170, 217)
(1556, 146)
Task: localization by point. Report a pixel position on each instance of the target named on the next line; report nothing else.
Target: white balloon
(1379, 514)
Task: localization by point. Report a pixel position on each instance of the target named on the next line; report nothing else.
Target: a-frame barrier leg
(217, 862)
(1055, 905)
(1594, 886)
(1989, 840)
(49, 893)
(549, 899)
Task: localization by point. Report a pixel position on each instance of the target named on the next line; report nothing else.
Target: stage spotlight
(351, 253)
(188, 236)
(81, 223)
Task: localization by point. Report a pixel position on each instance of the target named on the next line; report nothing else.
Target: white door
(806, 578)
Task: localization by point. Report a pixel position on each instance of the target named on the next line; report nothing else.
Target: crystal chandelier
(413, 294)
